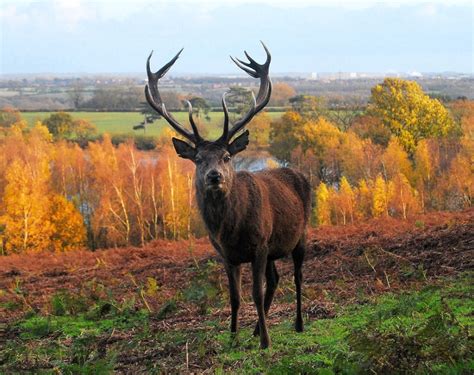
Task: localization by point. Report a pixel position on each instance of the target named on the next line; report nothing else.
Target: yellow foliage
(323, 211)
(26, 219)
(364, 200)
(381, 196)
(346, 200)
(404, 199)
(409, 113)
(69, 232)
(395, 160)
(260, 130)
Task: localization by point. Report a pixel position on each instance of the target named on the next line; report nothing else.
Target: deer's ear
(239, 144)
(184, 149)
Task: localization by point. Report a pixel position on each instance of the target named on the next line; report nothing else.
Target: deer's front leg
(258, 271)
(233, 273)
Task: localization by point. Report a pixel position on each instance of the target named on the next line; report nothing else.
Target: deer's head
(214, 169)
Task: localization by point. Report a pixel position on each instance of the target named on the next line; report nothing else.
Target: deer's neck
(216, 208)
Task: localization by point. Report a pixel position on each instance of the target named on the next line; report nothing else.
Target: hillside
(164, 306)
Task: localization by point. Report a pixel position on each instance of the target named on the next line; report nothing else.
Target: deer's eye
(227, 158)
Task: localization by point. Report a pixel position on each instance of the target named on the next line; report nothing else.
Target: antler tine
(255, 70)
(153, 98)
(224, 137)
(191, 121)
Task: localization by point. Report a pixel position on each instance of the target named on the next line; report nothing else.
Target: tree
(27, 206)
(323, 211)
(9, 116)
(117, 98)
(408, 112)
(76, 94)
(84, 131)
(460, 180)
(150, 114)
(463, 113)
(68, 229)
(260, 131)
(308, 106)
(61, 125)
(281, 93)
(324, 140)
(395, 161)
(370, 127)
(200, 105)
(346, 200)
(282, 135)
(381, 196)
(239, 100)
(364, 200)
(403, 200)
(424, 171)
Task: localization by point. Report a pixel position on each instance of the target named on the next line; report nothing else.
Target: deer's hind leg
(298, 257)
(272, 278)
(258, 271)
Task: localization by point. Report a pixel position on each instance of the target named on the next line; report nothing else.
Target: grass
(122, 122)
(421, 332)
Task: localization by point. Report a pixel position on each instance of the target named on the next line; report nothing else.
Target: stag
(250, 217)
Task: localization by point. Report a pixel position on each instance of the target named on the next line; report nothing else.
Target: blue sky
(75, 36)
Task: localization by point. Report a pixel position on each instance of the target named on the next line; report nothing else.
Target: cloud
(72, 12)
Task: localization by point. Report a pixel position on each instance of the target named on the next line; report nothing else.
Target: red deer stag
(251, 217)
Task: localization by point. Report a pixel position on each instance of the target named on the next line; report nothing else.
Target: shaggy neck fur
(214, 207)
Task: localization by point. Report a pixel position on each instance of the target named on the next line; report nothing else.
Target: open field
(123, 122)
(387, 296)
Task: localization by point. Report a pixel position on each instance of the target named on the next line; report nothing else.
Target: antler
(255, 70)
(153, 97)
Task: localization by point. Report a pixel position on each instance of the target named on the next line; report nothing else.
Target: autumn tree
(408, 112)
(68, 229)
(382, 193)
(459, 180)
(282, 135)
(324, 140)
(370, 127)
(27, 207)
(346, 201)
(112, 213)
(84, 131)
(364, 201)
(260, 131)
(323, 211)
(281, 93)
(424, 171)
(26, 196)
(395, 160)
(403, 198)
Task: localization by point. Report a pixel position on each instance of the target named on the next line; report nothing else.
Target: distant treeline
(126, 94)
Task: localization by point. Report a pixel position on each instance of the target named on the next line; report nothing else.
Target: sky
(116, 36)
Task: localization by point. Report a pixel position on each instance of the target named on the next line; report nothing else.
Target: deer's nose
(214, 177)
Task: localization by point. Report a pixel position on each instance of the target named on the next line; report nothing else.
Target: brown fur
(251, 217)
(261, 217)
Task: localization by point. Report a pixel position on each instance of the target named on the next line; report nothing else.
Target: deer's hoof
(299, 326)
